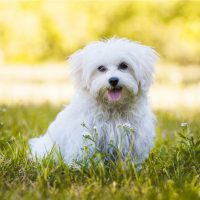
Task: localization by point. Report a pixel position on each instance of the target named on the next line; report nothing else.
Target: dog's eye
(102, 68)
(123, 66)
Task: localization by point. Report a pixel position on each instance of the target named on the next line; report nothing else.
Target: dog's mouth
(114, 94)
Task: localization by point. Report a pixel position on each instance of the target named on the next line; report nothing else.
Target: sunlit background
(36, 37)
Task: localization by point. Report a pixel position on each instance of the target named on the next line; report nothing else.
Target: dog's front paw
(40, 147)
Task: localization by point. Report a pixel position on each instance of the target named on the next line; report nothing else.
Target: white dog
(112, 79)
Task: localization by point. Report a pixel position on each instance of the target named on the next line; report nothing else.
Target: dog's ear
(148, 57)
(75, 62)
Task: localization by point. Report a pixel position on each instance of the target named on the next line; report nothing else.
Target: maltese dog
(112, 79)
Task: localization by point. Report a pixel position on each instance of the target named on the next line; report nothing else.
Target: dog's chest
(115, 131)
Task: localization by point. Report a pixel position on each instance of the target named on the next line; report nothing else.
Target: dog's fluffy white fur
(102, 105)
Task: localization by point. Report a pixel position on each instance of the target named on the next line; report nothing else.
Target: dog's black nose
(113, 81)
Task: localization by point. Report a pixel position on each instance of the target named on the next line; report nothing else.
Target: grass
(172, 170)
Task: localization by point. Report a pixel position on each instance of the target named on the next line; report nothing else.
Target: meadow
(35, 39)
(171, 171)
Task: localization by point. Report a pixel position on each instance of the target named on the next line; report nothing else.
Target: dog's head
(114, 70)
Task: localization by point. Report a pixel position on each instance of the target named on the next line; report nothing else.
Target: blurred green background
(34, 31)
(36, 37)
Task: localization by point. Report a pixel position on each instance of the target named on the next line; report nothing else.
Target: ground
(172, 170)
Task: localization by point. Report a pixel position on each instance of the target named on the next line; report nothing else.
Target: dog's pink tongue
(114, 95)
